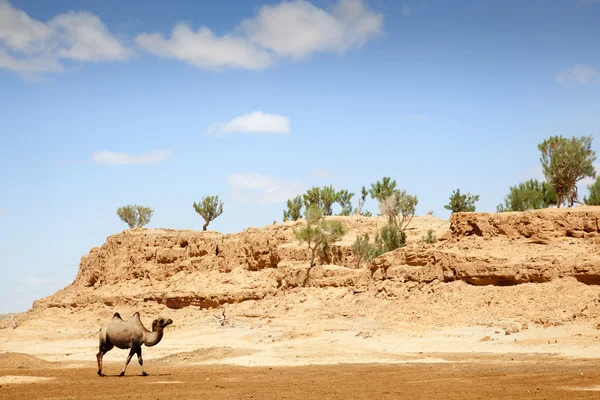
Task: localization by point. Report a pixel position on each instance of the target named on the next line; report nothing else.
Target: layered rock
(181, 268)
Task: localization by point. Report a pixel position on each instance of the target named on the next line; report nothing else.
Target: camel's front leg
(131, 353)
(139, 354)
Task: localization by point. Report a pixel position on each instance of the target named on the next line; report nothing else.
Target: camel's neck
(152, 338)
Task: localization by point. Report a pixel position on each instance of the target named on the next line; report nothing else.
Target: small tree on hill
(399, 208)
(594, 194)
(462, 203)
(134, 215)
(318, 233)
(328, 198)
(363, 250)
(528, 195)
(294, 209)
(565, 162)
(383, 189)
(361, 202)
(209, 208)
(344, 198)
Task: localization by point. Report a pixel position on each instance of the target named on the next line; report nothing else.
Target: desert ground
(501, 305)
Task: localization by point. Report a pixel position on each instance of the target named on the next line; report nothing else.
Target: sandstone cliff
(178, 269)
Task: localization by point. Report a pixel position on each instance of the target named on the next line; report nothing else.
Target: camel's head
(161, 323)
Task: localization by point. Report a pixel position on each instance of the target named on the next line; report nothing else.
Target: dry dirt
(502, 304)
(463, 377)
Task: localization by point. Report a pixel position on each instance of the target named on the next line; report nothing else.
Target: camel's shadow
(134, 376)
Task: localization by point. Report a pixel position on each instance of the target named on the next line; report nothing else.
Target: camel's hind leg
(131, 353)
(103, 349)
(140, 360)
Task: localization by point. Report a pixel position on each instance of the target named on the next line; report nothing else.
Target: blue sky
(110, 103)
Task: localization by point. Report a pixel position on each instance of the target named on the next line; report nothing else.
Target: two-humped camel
(130, 334)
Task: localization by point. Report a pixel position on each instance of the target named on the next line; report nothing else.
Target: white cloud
(204, 49)
(405, 10)
(111, 158)
(254, 122)
(578, 74)
(262, 189)
(30, 47)
(322, 174)
(294, 29)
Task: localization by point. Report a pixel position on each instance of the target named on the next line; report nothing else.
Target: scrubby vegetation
(318, 233)
(462, 202)
(344, 199)
(209, 208)
(134, 215)
(529, 195)
(383, 189)
(593, 199)
(294, 209)
(565, 162)
(363, 250)
(429, 238)
(361, 203)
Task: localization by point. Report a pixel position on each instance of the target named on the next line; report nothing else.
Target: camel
(130, 334)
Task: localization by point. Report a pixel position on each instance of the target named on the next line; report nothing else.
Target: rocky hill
(538, 266)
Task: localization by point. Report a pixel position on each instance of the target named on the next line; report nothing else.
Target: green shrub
(344, 199)
(134, 215)
(294, 209)
(399, 208)
(318, 233)
(430, 237)
(363, 250)
(565, 162)
(528, 195)
(209, 208)
(389, 238)
(462, 203)
(361, 203)
(594, 194)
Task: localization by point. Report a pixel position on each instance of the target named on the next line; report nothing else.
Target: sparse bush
(594, 194)
(430, 212)
(462, 203)
(399, 208)
(318, 232)
(529, 195)
(389, 238)
(294, 209)
(209, 208)
(430, 237)
(565, 162)
(383, 189)
(134, 215)
(344, 198)
(363, 250)
(324, 198)
(361, 203)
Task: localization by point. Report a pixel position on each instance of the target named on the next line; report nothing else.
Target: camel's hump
(117, 315)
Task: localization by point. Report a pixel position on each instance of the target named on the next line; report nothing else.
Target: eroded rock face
(579, 222)
(180, 268)
(504, 249)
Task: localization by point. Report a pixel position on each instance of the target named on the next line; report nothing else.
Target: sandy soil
(462, 377)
